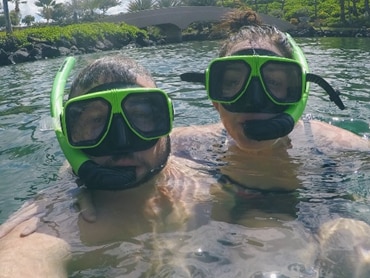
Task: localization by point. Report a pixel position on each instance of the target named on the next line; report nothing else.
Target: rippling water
(30, 159)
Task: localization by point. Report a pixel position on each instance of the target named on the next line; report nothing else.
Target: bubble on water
(46, 124)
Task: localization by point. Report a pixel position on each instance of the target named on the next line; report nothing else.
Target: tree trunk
(367, 8)
(342, 13)
(8, 24)
(354, 8)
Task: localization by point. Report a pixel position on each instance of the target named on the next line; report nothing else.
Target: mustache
(117, 157)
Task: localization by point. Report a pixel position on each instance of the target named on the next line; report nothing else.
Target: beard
(106, 176)
(151, 169)
(161, 163)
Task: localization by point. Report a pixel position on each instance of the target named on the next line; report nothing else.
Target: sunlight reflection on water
(333, 186)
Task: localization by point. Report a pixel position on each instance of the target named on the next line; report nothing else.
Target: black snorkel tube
(93, 175)
(333, 94)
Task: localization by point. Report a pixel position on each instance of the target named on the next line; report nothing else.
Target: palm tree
(140, 5)
(16, 8)
(47, 8)
(106, 4)
(28, 19)
(167, 3)
(8, 23)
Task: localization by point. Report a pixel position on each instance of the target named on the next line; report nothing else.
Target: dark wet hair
(109, 69)
(245, 25)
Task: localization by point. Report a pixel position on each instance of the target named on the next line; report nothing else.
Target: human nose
(118, 134)
(254, 94)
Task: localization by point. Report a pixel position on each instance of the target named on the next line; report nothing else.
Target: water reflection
(244, 236)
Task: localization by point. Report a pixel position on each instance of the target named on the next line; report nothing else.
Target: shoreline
(39, 50)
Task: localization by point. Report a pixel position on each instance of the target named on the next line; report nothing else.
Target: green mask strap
(75, 157)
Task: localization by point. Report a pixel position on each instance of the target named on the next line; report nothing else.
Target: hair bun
(236, 19)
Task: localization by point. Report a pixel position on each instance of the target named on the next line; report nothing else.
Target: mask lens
(283, 81)
(87, 121)
(148, 114)
(228, 79)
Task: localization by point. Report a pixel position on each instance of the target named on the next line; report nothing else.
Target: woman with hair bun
(268, 158)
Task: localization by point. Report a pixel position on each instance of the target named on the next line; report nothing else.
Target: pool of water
(241, 237)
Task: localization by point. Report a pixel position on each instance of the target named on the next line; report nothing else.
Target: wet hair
(110, 69)
(245, 25)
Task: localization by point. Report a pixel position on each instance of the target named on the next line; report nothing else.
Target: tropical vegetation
(332, 13)
(81, 34)
(82, 18)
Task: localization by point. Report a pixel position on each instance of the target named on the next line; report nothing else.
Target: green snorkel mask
(111, 119)
(259, 81)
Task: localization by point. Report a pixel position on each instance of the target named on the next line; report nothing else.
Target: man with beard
(114, 131)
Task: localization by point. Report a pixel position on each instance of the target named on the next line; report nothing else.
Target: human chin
(245, 143)
(250, 145)
(153, 160)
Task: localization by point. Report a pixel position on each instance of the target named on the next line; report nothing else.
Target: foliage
(28, 19)
(105, 5)
(200, 2)
(83, 33)
(140, 5)
(61, 13)
(85, 10)
(167, 3)
(346, 13)
(322, 12)
(231, 3)
(47, 7)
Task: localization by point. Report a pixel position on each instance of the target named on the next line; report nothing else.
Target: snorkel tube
(92, 174)
(75, 157)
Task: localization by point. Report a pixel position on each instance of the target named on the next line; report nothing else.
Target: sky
(29, 8)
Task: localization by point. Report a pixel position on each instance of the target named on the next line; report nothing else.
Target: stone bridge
(173, 20)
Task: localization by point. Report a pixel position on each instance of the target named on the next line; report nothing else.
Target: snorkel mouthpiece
(97, 177)
(270, 129)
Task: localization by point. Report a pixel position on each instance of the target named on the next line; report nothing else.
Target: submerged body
(231, 208)
(274, 167)
(181, 227)
(166, 203)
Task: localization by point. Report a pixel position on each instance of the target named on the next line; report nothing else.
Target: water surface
(332, 186)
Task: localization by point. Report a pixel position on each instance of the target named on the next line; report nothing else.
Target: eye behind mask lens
(148, 114)
(228, 79)
(87, 121)
(283, 81)
(120, 139)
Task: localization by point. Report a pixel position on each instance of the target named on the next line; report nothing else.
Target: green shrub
(84, 33)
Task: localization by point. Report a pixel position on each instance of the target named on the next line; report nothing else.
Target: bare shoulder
(36, 255)
(350, 238)
(195, 131)
(186, 139)
(330, 136)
